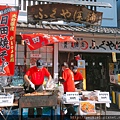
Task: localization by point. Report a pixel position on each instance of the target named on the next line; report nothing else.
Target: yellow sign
(81, 68)
(118, 78)
(114, 57)
(111, 68)
(83, 71)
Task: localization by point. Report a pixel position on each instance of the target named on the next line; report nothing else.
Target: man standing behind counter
(35, 78)
(68, 76)
(78, 78)
(67, 80)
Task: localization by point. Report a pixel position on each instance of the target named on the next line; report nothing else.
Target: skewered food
(38, 93)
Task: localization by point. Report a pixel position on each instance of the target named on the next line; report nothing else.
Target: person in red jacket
(35, 78)
(78, 78)
(68, 76)
(67, 80)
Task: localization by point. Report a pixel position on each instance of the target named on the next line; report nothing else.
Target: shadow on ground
(113, 107)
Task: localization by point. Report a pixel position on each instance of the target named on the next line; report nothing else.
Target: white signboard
(92, 45)
(81, 63)
(72, 97)
(103, 96)
(33, 59)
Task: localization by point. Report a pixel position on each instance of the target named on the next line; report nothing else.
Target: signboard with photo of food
(87, 107)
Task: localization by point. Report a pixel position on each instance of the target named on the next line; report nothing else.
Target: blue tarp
(14, 114)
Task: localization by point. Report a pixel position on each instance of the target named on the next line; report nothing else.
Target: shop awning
(38, 40)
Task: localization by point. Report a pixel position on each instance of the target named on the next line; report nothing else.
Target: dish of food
(87, 107)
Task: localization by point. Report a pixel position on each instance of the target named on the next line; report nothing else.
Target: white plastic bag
(50, 84)
(61, 91)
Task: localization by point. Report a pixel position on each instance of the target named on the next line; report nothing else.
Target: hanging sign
(98, 45)
(81, 68)
(114, 57)
(65, 12)
(8, 21)
(38, 40)
(81, 63)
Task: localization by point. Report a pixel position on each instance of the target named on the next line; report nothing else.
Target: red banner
(8, 21)
(35, 41)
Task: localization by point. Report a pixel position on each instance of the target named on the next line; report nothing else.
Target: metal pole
(25, 56)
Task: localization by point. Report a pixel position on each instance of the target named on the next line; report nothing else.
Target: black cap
(65, 65)
(39, 63)
(75, 68)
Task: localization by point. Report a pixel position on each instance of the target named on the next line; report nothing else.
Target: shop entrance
(97, 68)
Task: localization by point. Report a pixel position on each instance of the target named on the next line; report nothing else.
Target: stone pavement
(113, 110)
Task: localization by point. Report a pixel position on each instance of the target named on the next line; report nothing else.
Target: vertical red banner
(8, 21)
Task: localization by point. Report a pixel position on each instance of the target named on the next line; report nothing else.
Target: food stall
(47, 97)
(41, 99)
(86, 102)
(37, 99)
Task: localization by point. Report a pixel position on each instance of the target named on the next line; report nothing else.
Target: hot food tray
(38, 93)
(37, 99)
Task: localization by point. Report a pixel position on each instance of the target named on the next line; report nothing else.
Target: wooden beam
(80, 2)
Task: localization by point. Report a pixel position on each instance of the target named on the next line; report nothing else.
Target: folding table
(9, 108)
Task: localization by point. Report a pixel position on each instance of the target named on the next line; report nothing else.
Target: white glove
(32, 85)
(47, 84)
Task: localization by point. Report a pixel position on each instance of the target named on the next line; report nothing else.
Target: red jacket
(37, 76)
(78, 76)
(68, 76)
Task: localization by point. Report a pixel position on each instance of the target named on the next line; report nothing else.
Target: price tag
(72, 97)
(103, 96)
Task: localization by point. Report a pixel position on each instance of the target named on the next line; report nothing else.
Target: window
(24, 4)
(34, 2)
(19, 3)
(29, 2)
